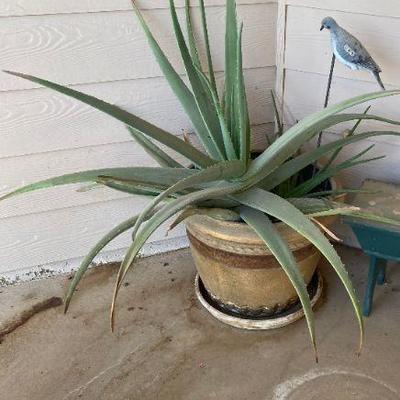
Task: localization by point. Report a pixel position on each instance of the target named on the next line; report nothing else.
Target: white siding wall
(303, 62)
(97, 47)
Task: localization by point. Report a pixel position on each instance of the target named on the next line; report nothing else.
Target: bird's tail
(379, 80)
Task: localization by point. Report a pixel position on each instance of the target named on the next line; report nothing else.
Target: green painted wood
(380, 241)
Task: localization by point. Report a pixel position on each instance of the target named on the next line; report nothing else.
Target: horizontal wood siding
(43, 238)
(386, 8)
(104, 47)
(10, 8)
(97, 47)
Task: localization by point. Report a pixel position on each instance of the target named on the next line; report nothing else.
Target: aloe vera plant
(223, 175)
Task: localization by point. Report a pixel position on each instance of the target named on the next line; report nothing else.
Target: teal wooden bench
(380, 241)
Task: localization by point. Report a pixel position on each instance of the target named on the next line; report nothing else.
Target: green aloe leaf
(370, 216)
(184, 95)
(117, 231)
(307, 186)
(277, 116)
(153, 150)
(351, 212)
(129, 187)
(231, 39)
(310, 205)
(351, 133)
(317, 208)
(283, 210)
(338, 192)
(144, 175)
(221, 171)
(208, 49)
(298, 163)
(222, 214)
(205, 106)
(218, 203)
(191, 38)
(294, 138)
(157, 219)
(242, 114)
(230, 150)
(127, 118)
(264, 228)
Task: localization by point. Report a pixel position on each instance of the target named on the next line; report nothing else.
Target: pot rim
(211, 230)
(216, 233)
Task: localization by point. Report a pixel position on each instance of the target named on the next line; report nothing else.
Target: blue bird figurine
(349, 50)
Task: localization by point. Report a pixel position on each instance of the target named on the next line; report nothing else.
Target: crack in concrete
(85, 386)
(121, 361)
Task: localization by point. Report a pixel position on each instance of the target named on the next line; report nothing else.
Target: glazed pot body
(237, 269)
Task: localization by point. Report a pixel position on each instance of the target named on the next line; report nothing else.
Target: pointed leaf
(306, 187)
(213, 140)
(141, 125)
(335, 193)
(153, 150)
(222, 214)
(290, 142)
(230, 151)
(231, 38)
(117, 231)
(277, 116)
(351, 133)
(157, 219)
(283, 210)
(191, 39)
(264, 228)
(221, 171)
(208, 49)
(298, 163)
(241, 109)
(128, 187)
(177, 85)
(145, 175)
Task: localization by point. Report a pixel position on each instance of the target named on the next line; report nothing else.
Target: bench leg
(381, 272)
(377, 268)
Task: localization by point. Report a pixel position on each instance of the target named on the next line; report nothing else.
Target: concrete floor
(167, 347)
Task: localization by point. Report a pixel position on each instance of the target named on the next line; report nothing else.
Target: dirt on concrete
(167, 347)
(20, 319)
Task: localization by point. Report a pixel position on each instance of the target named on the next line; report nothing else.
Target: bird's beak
(322, 27)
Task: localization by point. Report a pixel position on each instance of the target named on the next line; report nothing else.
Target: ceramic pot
(238, 271)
